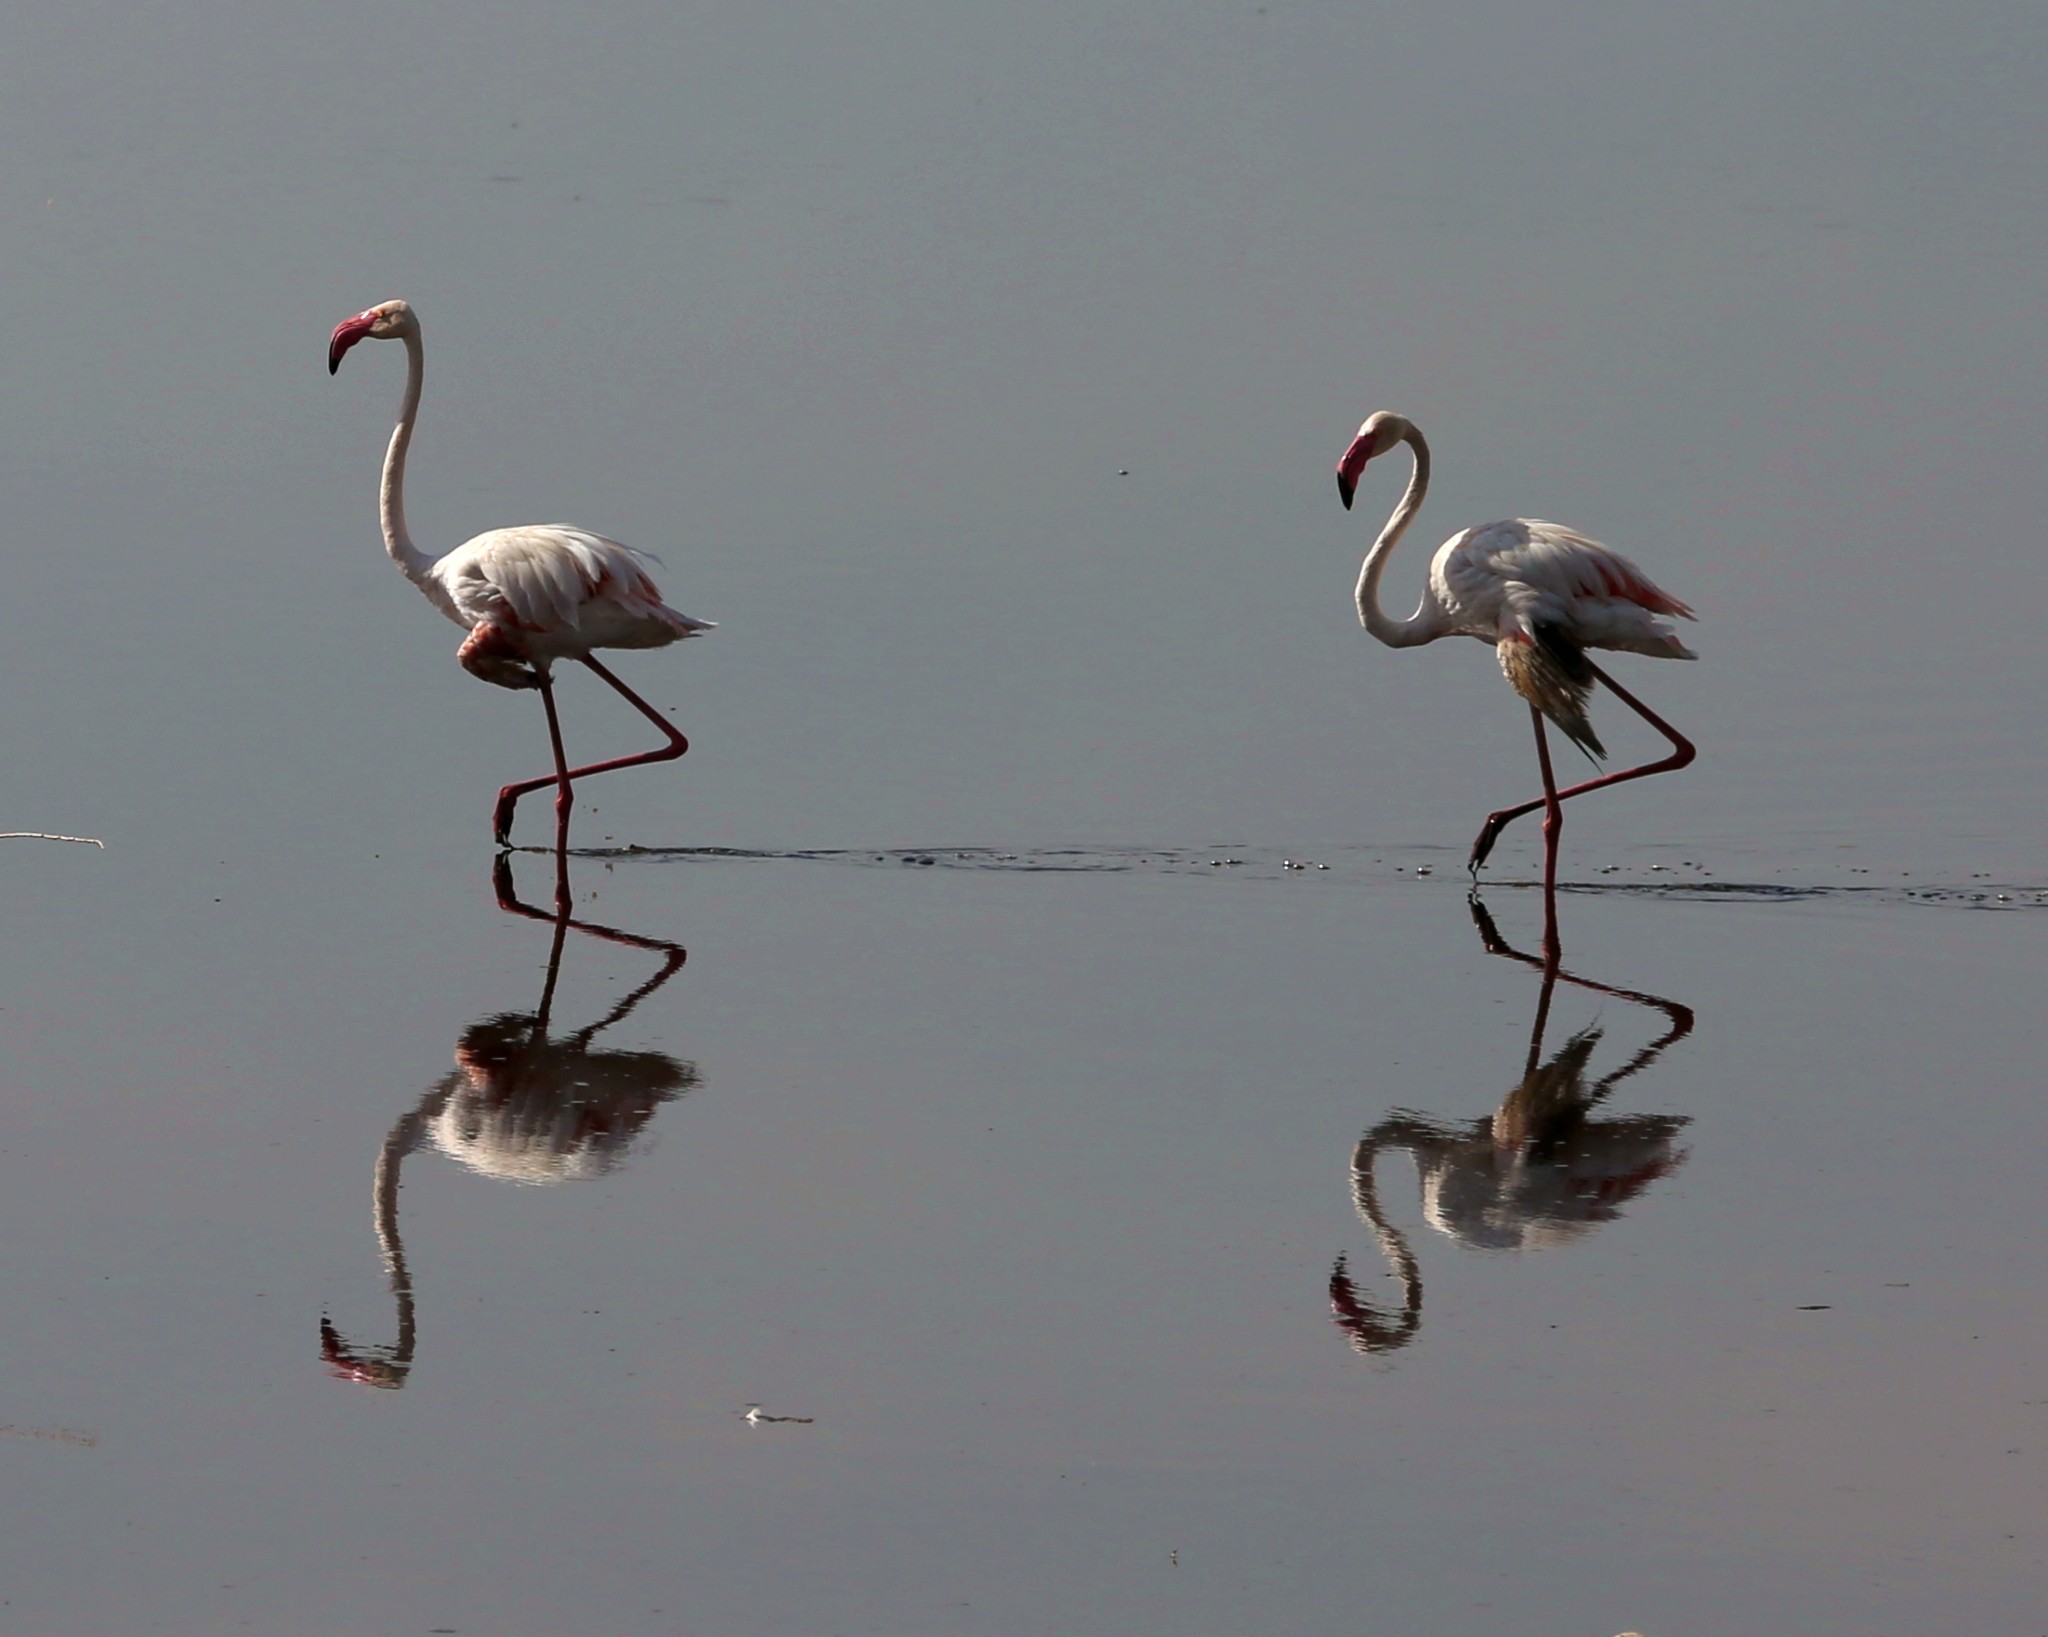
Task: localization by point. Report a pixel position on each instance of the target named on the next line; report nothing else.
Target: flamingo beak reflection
(346, 334)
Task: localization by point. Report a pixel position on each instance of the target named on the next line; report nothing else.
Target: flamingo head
(387, 321)
(1381, 431)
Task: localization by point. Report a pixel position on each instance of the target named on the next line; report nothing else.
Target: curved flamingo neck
(1423, 626)
(1374, 1329)
(391, 499)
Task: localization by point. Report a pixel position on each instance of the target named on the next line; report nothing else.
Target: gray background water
(982, 373)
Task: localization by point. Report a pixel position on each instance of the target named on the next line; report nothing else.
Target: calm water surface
(981, 373)
(1027, 1189)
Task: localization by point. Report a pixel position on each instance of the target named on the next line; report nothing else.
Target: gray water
(982, 373)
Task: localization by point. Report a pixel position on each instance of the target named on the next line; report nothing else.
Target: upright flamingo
(1542, 596)
(526, 596)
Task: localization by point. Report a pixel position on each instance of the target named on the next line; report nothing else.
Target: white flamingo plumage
(526, 596)
(1542, 595)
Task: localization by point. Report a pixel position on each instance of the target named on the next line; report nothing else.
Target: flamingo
(1542, 595)
(526, 596)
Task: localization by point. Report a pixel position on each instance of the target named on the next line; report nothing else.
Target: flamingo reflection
(1539, 1171)
(521, 1105)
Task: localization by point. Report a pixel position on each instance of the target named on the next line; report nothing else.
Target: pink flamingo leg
(1553, 828)
(561, 778)
(1682, 754)
(565, 799)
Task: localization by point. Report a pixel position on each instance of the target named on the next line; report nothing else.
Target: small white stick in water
(44, 835)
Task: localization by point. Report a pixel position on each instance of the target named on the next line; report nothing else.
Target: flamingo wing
(538, 578)
(549, 579)
(1591, 571)
(1525, 577)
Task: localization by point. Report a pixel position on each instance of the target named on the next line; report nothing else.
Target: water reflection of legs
(509, 901)
(1681, 1016)
(520, 1105)
(1539, 1171)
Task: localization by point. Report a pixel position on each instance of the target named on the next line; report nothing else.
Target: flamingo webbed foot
(501, 816)
(1489, 833)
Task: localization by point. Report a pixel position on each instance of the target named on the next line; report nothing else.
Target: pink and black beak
(346, 334)
(1347, 469)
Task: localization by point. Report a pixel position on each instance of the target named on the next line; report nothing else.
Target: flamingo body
(1508, 581)
(556, 592)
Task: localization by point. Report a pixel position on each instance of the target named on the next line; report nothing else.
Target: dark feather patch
(1553, 674)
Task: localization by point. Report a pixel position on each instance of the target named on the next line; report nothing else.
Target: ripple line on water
(1356, 864)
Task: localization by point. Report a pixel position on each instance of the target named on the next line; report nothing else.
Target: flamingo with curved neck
(1543, 1169)
(526, 596)
(1542, 595)
(522, 1104)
